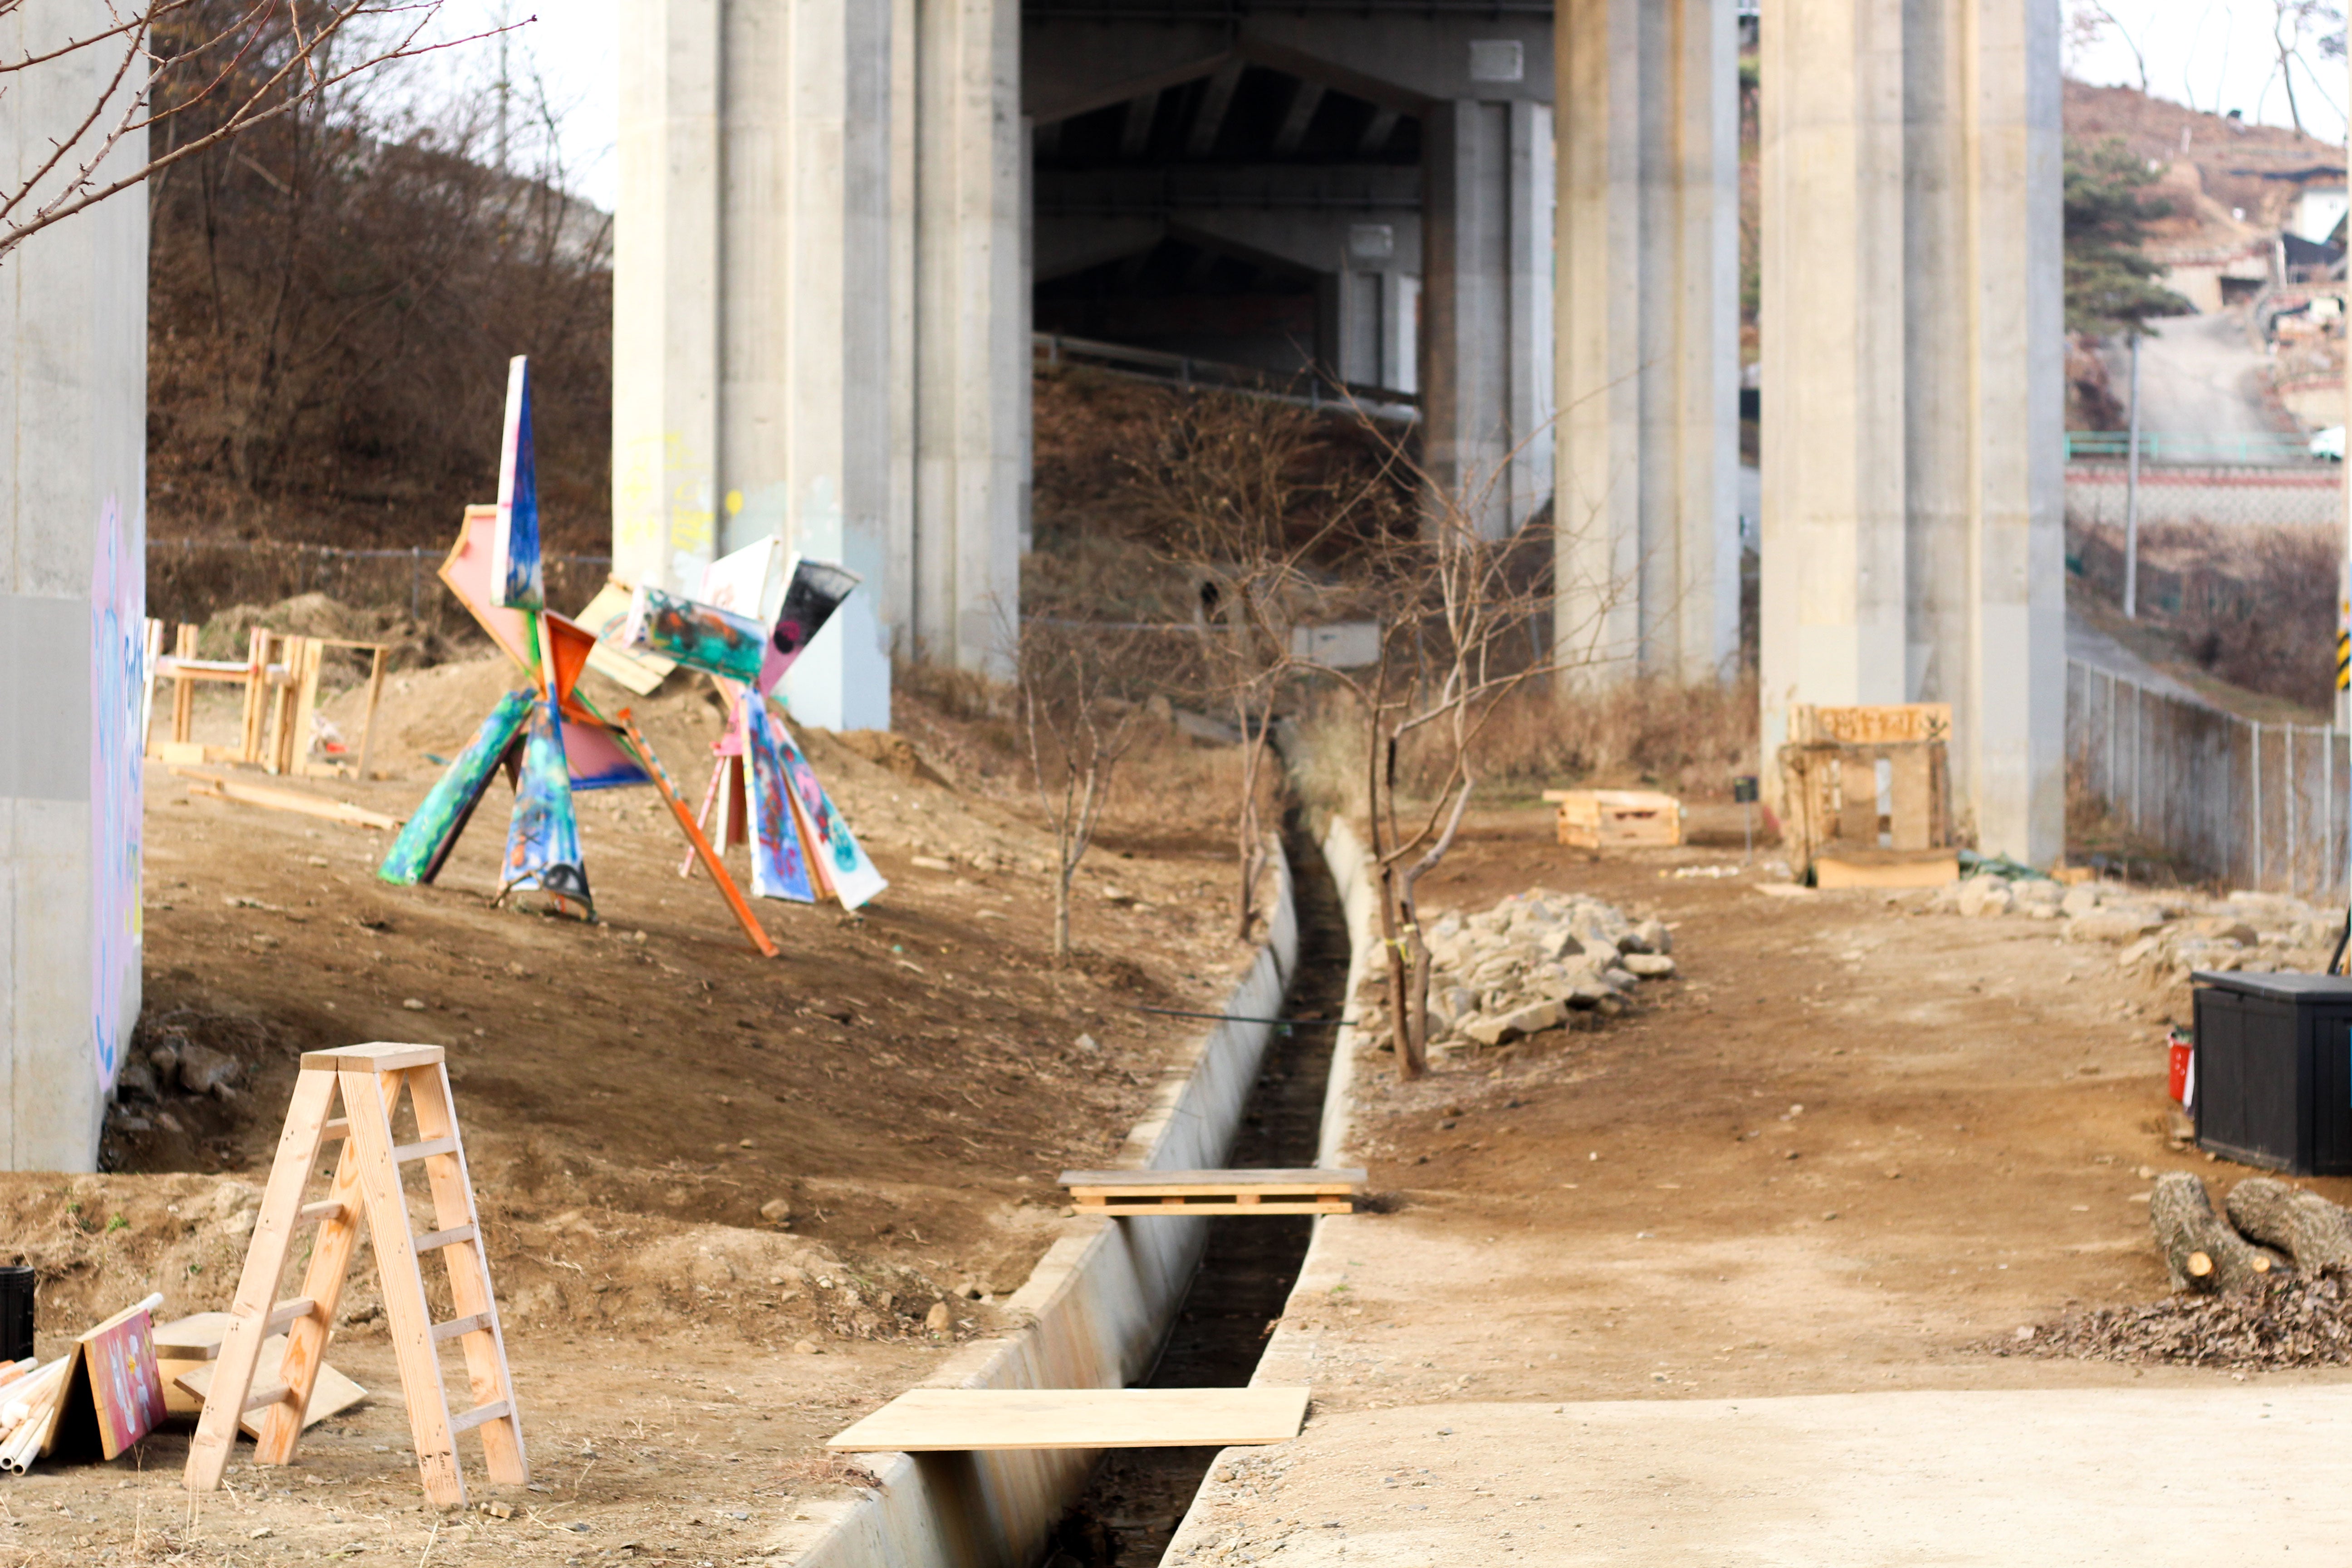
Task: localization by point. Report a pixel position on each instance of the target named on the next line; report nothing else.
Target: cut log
(2306, 1226)
(2201, 1250)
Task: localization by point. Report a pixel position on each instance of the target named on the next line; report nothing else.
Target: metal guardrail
(2114, 445)
(1305, 388)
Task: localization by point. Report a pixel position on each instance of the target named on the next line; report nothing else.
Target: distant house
(2317, 211)
(2214, 279)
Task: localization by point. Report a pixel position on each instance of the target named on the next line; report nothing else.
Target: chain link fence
(2253, 806)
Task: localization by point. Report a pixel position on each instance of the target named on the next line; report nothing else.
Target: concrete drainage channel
(1103, 1301)
(1132, 1505)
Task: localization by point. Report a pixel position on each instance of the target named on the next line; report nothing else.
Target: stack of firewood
(2271, 1227)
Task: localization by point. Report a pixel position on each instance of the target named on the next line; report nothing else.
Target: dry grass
(1690, 741)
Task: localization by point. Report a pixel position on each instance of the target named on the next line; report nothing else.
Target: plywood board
(604, 617)
(331, 1395)
(467, 571)
(1223, 1181)
(1898, 869)
(952, 1420)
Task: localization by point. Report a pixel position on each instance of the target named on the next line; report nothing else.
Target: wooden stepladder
(368, 1080)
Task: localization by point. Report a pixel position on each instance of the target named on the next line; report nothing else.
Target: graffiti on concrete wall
(117, 613)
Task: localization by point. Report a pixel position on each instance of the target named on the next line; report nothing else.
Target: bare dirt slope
(905, 1083)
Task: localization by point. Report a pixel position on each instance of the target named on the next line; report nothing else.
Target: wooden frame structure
(281, 676)
(1214, 1191)
(368, 1080)
(1617, 818)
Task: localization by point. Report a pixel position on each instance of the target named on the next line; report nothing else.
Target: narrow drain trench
(1130, 1508)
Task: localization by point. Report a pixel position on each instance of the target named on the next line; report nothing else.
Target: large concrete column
(73, 422)
(971, 334)
(1486, 306)
(788, 284)
(665, 294)
(1912, 339)
(1985, 410)
(1646, 511)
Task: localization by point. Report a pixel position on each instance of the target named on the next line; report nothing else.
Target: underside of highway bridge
(839, 220)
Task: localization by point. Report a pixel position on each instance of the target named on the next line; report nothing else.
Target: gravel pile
(2165, 935)
(2299, 1320)
(1526, 964)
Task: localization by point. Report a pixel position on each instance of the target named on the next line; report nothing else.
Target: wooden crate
(1830, 800)
(1617, 818)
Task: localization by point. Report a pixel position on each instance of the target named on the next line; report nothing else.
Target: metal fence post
(2258, 803)
(2292, 784)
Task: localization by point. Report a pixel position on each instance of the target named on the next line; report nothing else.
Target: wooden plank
(378, 1057)
(332, 1392)
(368, 1099)
(434, 1240)
(955, 1420)
(197, 1337)
(374, 696)
(727, 888)
(324, 1210)
(257, 1288)
(1221, 1181)
(496, 1410)
(1213, 1207)
(1887, 868)
(471, 1323)
(469, 1285)
(302, 1356)
(288, 1311)
(423, 1149)
(283, 799)
(1217, 1190)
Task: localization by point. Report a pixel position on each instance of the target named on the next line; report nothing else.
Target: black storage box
(2274, 1070)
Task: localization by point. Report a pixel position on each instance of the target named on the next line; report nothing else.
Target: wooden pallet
(967, 1420)
(1214, 1191)
(1617, 818)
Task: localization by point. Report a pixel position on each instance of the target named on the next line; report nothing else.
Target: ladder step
(325, 1210)
(496, 1410)
(261, 1397)
(434, 1240)
(286, 1312)
(473, 1323)
(341, 1127)
(409, 1153)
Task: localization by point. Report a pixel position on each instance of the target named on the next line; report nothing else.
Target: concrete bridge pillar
(971, 325)
(821, 316)
(1912, 329)
(1647, 550)
(73, 419)
(1486, 306)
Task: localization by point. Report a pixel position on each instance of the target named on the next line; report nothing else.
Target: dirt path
(1843, 1150)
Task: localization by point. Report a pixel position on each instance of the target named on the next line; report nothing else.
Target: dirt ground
(1842, 1148)
(905, 1081)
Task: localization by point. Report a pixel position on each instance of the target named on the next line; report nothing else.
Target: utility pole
(2131, 492)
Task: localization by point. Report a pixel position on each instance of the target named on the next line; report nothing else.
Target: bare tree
(2089, 22)
(1070, 679)
(249, 61)
(2295, 24)
(1238, 498)
(1458, 614)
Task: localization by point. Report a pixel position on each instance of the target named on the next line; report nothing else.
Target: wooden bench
(1214, 1191)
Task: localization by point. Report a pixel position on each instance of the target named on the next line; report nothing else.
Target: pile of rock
(2167, 935)
(1524, 966)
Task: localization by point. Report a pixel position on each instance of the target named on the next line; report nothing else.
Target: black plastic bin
(2274, 1070)
(16, 1313)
